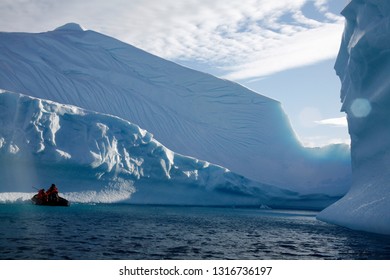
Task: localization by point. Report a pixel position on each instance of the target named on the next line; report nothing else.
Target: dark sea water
(121, 231)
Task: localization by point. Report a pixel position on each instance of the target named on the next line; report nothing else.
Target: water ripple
(149, 232)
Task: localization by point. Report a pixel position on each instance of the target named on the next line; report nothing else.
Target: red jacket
(52, 190)
(42, 195)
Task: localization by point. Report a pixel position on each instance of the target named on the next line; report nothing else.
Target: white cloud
(300, 49)
(339, 122)
(322, 141)
(245, 39)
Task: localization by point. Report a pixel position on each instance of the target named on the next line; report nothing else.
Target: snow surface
(191, 113)
(95, 157)
(70, 27)
(363, 65)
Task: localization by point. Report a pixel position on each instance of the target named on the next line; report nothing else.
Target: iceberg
(96, 157)
(189, 112)
(363, 65)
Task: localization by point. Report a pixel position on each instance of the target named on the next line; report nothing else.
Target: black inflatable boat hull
(61, 202)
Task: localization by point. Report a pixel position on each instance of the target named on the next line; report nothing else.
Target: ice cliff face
(363, 65)
(105, 159)
(191, 113)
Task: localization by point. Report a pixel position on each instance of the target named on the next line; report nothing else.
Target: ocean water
(122, 231)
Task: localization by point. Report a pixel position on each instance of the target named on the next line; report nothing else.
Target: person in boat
(42, 196)
(52, 193)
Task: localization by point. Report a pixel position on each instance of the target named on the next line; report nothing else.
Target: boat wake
(15, 197)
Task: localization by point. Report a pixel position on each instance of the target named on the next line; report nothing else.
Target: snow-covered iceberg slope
(191, 113)
(95, 157)
(363, 65)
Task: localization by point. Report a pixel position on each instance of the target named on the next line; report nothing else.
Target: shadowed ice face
(363, 65)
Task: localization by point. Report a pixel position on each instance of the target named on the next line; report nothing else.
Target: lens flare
(361, 108)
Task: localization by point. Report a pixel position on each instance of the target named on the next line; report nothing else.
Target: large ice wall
(363, 65)
(191, 113)
(95, 157)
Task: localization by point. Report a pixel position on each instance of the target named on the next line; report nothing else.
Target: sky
(282, 49)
